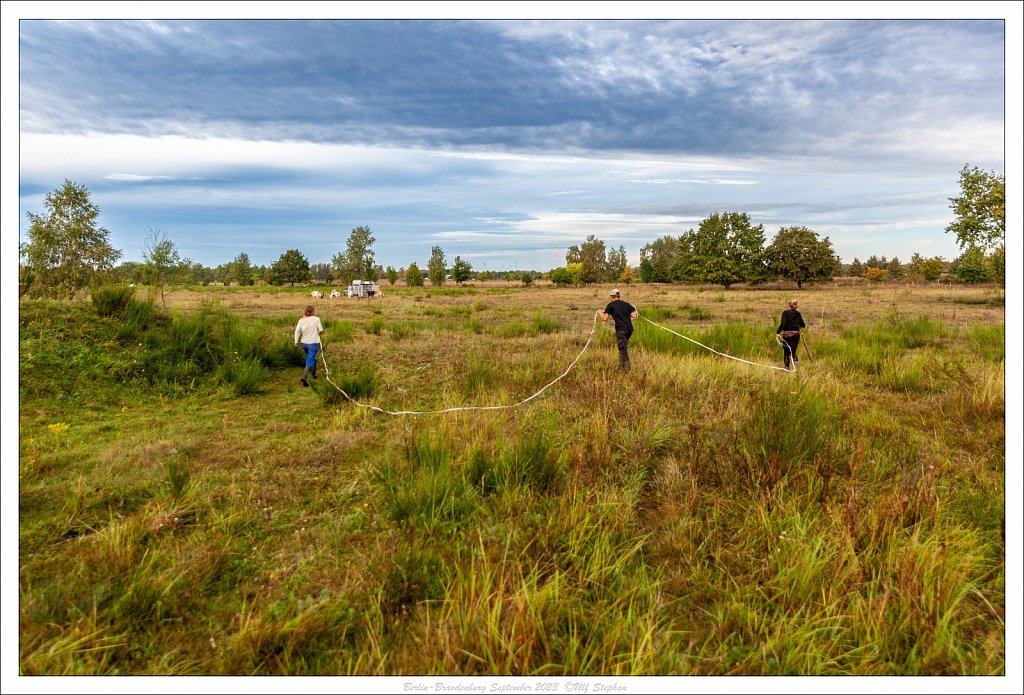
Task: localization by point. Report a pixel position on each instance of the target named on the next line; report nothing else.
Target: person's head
(309, 310)
(792, 303)
(614, 294)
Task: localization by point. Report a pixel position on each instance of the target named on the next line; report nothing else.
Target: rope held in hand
(327, 375)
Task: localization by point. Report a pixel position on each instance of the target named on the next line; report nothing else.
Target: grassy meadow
(187, 507)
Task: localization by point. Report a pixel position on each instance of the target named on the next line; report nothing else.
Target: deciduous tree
(973, 266)
(980, 210)
(414, 276)
(592, 259)
(356, 261)
(799, 255)
(725, 249)
(656, 259)
(560, 276)
(161, 262)
(290, 268)
(931, 268)
(436, 269)
(616, 263)
(66, 247)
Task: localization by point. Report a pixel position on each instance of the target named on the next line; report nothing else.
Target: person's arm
(603, 314)
(781, 322)
(802, 324)
(633, 313)
(298, 331)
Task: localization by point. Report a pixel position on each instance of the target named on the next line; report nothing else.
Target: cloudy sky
(505, 141)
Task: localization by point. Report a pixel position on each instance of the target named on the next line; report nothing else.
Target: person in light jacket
(307, 332)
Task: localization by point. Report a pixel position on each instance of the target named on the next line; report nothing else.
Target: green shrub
(358, 385)
(247, 377)
(479, 375)
(529, 464)
(543, 323)
(788, 427)
(110, 300)
(338, 331)
(281, 352)
(406, 578)
(658, 313)
(426, 490)
(696, 313)
(136, 317)
(513, 329)
(240, 341)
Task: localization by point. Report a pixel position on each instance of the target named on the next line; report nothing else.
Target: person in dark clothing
(622, 312)
(789, 327)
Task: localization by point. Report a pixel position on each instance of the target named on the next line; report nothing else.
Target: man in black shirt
(622, 312)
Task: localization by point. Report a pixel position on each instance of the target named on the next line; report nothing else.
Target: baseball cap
(613, 292)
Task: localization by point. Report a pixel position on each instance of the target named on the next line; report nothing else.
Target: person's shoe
(304, 382)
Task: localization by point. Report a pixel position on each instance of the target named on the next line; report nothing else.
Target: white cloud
(140, 177)
(716, 182)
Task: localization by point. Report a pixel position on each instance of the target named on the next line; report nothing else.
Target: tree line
(67, 252)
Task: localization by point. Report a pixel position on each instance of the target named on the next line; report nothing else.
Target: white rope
(786, 346)
(327, 375)
(756, 364)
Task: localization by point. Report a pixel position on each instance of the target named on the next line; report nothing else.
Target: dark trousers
(622, 338)
(789, 348)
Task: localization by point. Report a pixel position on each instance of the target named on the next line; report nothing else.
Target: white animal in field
(316, 294)
(335, 294)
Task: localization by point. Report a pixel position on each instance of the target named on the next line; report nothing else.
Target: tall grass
(692, 517)
(734, 338)
(527, 464)
(110, 300)
(135, 318)
(789, 426)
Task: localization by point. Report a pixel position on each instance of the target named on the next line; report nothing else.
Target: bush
(282, 353)
(136, 318)
(362, 383)
(244, 375)
(530, 463)
(787, 429)
(543, 323)
(111, 300)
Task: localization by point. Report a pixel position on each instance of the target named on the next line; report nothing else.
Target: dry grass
(658, 523)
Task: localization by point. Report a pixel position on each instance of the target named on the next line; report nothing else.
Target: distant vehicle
(362, 288)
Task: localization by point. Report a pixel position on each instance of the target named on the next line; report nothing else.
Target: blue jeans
(311, 349)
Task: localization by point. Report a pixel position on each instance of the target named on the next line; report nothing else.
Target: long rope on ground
(788, 350)
(756, 364)
(327, 375)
